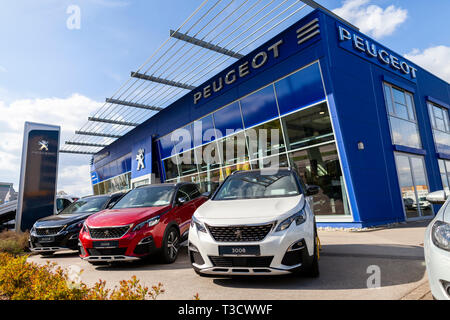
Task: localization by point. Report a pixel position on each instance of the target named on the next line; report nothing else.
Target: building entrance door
(414, 187)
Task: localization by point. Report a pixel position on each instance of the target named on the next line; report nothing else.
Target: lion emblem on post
(140, 156)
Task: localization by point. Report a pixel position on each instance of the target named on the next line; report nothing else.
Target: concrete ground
(350, 260)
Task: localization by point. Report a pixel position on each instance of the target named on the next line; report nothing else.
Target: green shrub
(22, 280)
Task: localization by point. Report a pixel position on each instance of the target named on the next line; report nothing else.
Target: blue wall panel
(259, 107)
(300, 89)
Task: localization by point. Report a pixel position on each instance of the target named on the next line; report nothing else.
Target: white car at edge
(256, 223)
(437, 248)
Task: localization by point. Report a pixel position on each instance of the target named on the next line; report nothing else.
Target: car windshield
(254, 185)
(155, 196)
(86, 205)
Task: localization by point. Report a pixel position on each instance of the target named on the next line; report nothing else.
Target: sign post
(38, 174)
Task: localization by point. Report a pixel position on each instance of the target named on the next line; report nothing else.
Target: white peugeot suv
(256, 223)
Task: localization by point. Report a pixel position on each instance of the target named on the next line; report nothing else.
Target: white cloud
(3, 69)
(69, 113)
(372, 19)
(75, 180)
(434, 59)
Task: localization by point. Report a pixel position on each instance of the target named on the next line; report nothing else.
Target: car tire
(47, 253)
(170, 246)
(312, 268)
(99, 263)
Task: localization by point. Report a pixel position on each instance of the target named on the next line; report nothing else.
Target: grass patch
(14, 243)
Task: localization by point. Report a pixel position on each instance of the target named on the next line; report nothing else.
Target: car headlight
(440, 234)
(73, 226)
(200, 227)
(298, 217)
(150, 223)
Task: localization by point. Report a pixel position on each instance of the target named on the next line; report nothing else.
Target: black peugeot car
(60, 231)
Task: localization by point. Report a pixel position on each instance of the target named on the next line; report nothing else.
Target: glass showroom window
(402, 117)
(444, 168)
(441, 127)
(171, 167)
(320, 166)
(308, 127)
(413, 185)
(266, 139)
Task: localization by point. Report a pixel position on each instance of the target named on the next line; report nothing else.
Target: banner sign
(38, 174)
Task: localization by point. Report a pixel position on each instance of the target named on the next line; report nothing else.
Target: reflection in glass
(171, 168)
(320, 166)
(444, 169)
(234, 148)
(405, 133)
(272, 161)
(407, 186)
(422, 189)
(230, 169)
(187, 164)
(414, 185)
(266, 139)
(207, 157)
(308, 127)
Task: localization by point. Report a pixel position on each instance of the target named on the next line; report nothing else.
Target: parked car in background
(148, 219)
(63, 201)
(60, 231)
(437, 247)
(256, 223)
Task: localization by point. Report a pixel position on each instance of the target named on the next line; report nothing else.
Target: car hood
(218, 212)
(62, 219)
(121, 217)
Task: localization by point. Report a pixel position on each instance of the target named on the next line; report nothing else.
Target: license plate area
(239, 251)
(46, 239)
(106, 244)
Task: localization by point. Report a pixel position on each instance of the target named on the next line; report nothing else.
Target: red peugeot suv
(147, 220)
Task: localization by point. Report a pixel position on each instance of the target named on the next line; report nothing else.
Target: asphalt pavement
(382, 263)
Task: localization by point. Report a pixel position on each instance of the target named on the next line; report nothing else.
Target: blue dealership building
(366, 125)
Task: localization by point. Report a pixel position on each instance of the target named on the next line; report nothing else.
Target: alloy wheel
(173, 244)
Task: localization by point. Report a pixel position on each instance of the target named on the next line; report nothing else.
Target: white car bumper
(273, 249)
(438, 268)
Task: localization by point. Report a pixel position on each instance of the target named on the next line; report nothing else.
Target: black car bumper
(61, 241)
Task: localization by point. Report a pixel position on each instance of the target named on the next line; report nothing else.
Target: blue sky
(47, 70)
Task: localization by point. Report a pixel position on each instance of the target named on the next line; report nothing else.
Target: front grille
(249, 262)
(240, 233)
(108, 233)
(48, 231)
(107, 252)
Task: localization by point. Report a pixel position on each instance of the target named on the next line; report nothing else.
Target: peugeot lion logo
(43, 145)
(140, 159)
(238, 234)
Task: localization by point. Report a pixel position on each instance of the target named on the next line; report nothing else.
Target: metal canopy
(204, 44)
(160, 80)
(97, 134)
(117, 122)
(86, 144)
(216, 34)
(132, 104)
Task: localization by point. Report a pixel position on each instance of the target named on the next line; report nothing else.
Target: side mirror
(207, 194)
(181, 200)
(437, 197)
(312, 190)
(111, 204)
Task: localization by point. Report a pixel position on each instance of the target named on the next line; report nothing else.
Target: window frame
(391, 105)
